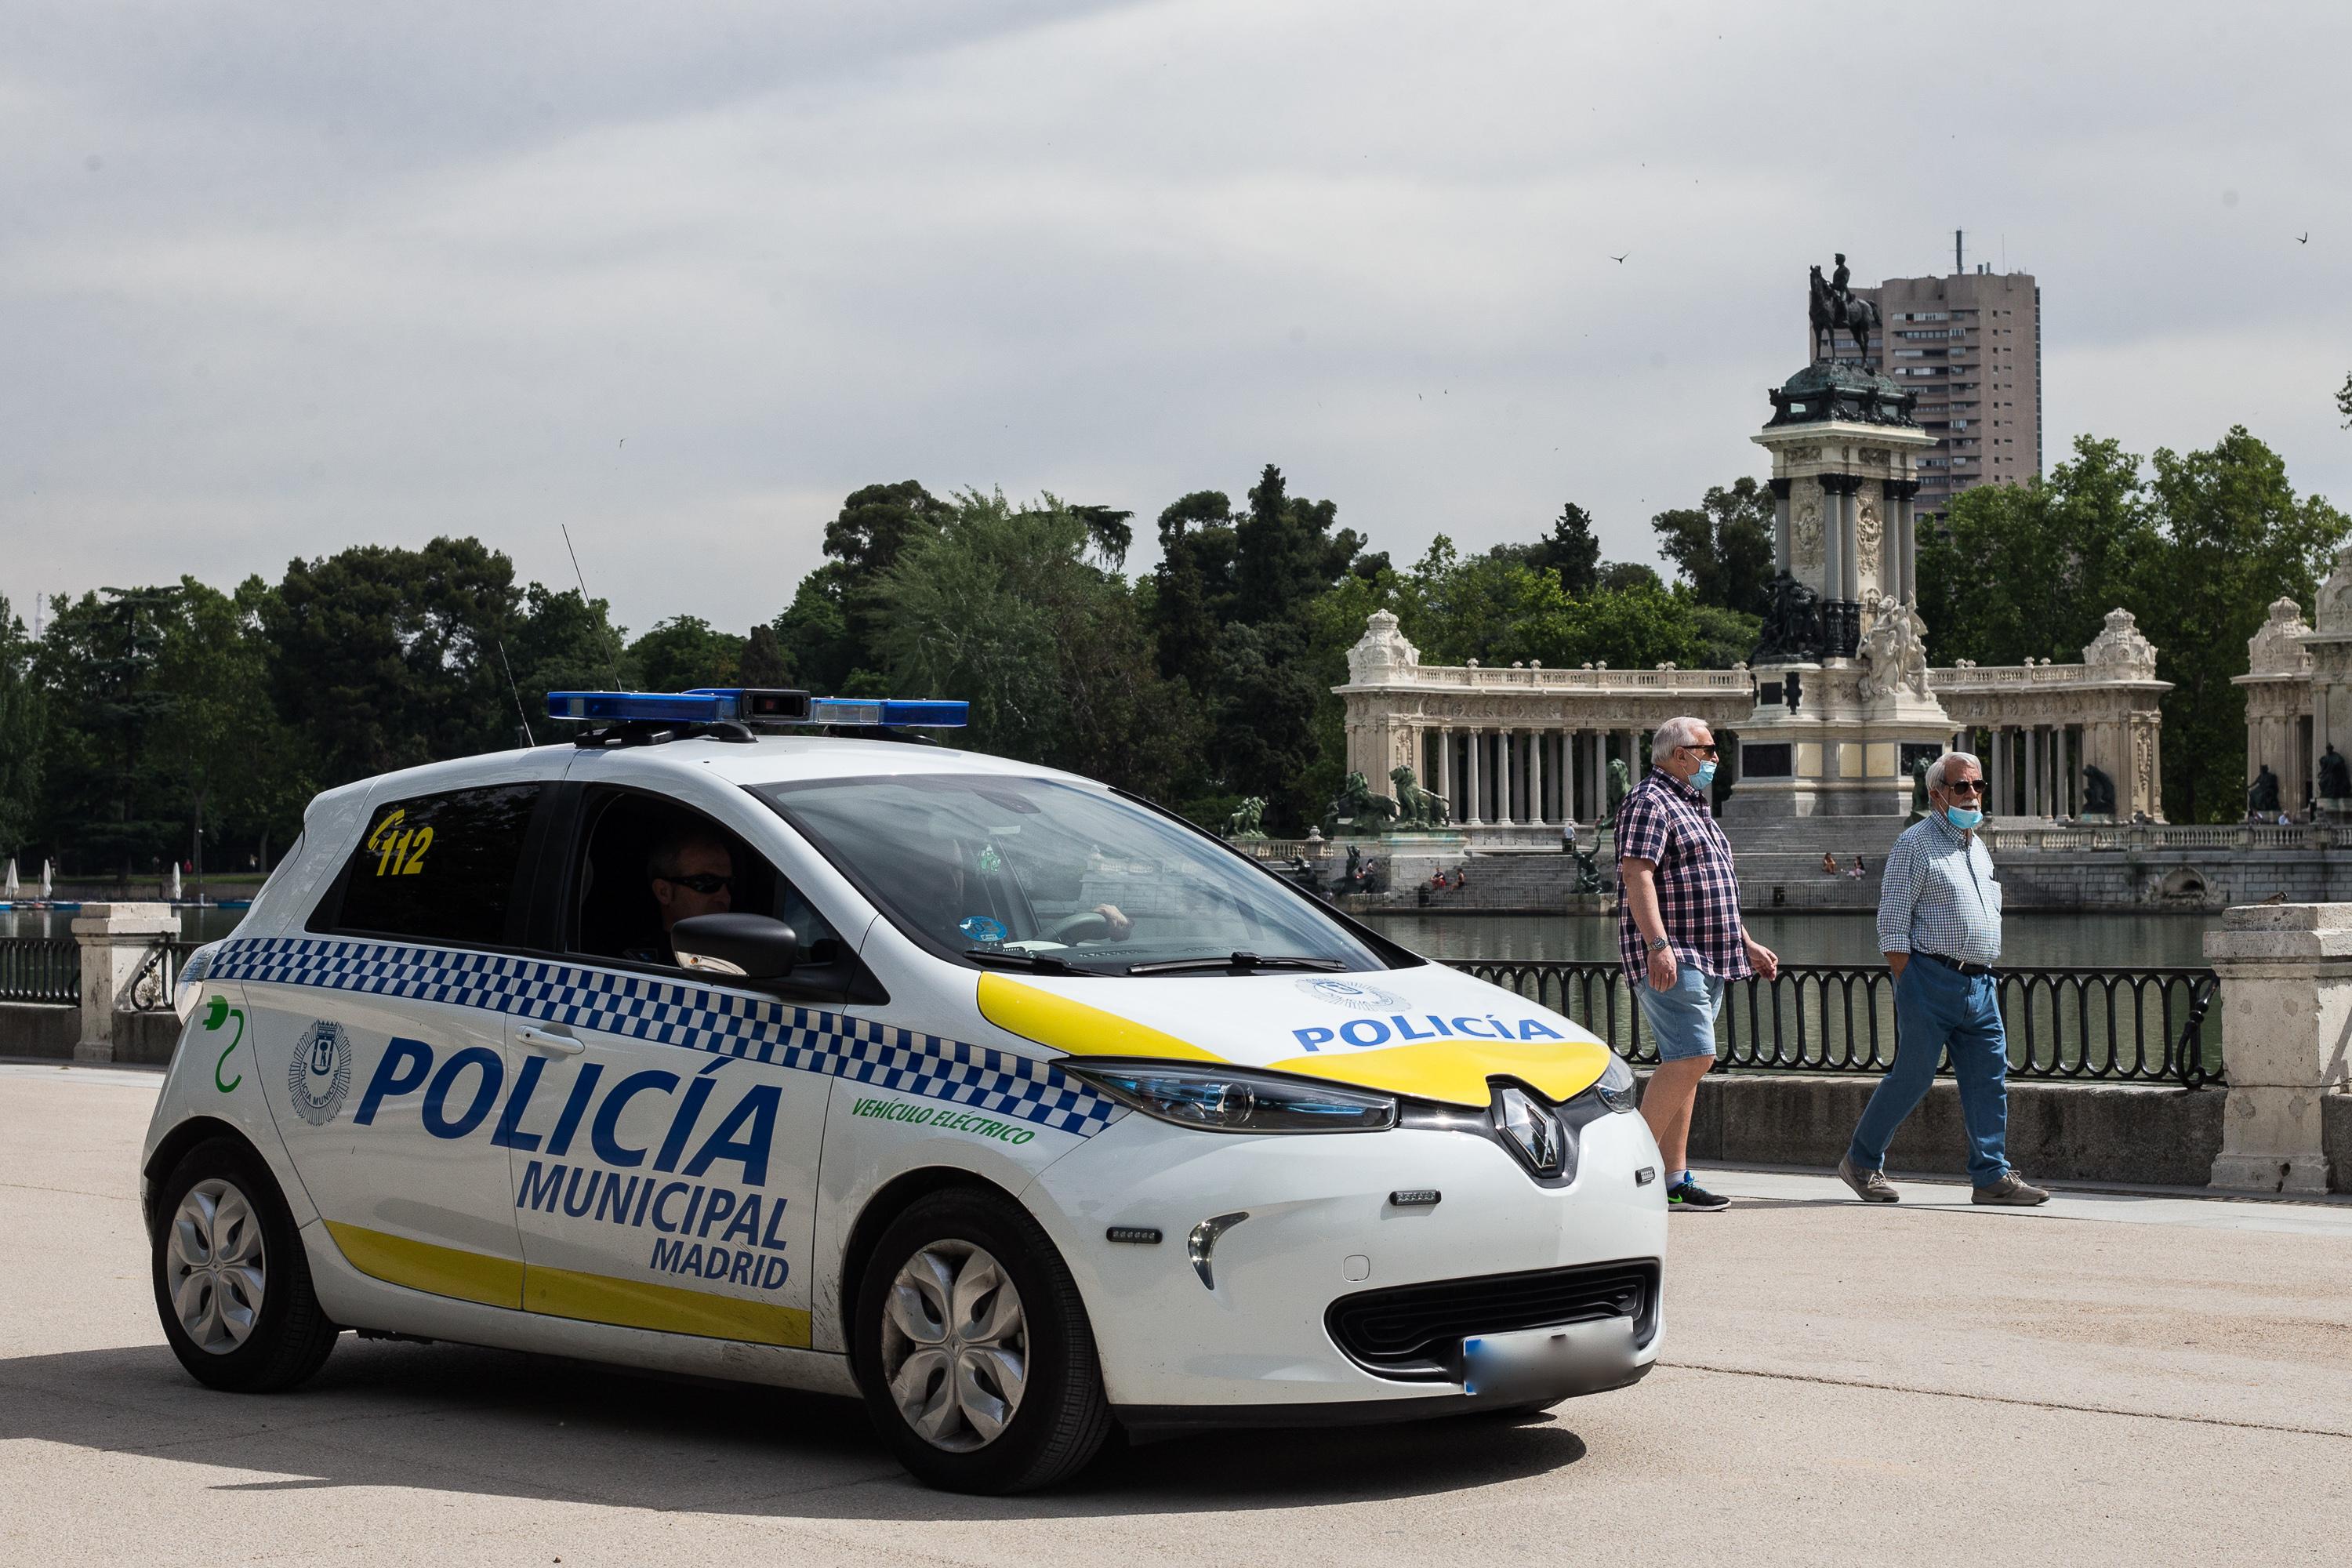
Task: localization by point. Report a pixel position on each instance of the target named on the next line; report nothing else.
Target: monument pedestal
(1844, 749)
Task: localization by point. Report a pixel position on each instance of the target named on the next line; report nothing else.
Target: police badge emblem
(321, 1073)
(1348, 993)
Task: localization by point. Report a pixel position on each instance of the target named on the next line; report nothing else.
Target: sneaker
(1691, 1195)
(2013, 1191)
(1869, 1186)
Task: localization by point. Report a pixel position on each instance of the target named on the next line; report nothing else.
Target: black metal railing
(150, 988)
(40, 969)
(2107, 1026)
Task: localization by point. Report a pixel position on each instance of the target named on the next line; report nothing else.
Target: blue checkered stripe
(696, 1018)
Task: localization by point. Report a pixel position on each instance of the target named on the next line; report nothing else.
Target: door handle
(545, 1040)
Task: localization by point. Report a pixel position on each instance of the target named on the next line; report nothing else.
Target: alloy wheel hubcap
(955, 1346)
(217, 1269)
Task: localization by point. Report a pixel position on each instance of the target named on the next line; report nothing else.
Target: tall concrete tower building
(1971, 346)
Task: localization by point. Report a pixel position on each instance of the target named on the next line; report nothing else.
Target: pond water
(2099, 941)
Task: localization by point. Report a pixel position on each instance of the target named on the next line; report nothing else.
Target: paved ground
(2111, 1378)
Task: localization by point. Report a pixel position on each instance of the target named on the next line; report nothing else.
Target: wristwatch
(1659, 945)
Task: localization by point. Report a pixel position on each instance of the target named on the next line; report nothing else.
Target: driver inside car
(691, 871)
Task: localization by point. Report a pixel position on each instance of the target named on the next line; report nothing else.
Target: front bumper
(1259, 1346)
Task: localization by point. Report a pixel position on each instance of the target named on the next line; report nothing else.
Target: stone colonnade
(2036, 727)
(1522, 747)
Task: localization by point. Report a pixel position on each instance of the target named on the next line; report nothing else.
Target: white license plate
(1533, 1362)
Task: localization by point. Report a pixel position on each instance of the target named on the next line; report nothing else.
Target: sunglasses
(1702, 751)
(706, 884)
(1964, 786)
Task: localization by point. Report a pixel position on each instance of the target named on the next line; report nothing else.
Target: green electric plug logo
(217, 1013)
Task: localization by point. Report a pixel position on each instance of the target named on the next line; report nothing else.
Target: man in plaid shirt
(1679, 934)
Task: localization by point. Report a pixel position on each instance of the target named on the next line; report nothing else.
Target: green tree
(814, 633)
(2020, 572)
(220, 728)
(1013, 611)
(684, 652)
(1723, 546)
(386, 658)
(763, 662)
(1571, 552)
(561, 643)
(22, 719)
(2234, 537)
(108, 787)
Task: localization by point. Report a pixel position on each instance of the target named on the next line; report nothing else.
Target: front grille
(1416, 1331)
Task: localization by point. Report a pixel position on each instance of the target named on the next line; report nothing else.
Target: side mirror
(737, 946)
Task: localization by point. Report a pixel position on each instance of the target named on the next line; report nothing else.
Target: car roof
(767, 760)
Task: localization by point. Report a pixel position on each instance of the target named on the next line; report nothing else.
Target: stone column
(1849, 547)
(1445, 771)
(1568, 760)
(1535, 777)
(1470, 781)
(2035, 769)
(1783, 553)
(2286, 1010)
(1902, 496)
(1833, 570)
(114, 940)
(1507, 804)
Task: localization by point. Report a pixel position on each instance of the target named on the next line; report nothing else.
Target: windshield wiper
(1045, 963)
(1242, 961)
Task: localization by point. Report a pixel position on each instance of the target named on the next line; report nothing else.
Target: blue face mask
(1705, 776)
(1962, 818)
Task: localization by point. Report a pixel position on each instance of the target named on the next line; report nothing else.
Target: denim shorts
(1683, 1016)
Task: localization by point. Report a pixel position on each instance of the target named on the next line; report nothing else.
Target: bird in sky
(1620, 260)
(2304, 238)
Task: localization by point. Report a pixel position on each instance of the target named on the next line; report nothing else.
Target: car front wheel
(232, 1284)
(973, 1349)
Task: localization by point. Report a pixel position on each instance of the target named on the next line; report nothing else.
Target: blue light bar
(898, 711)
(714, 705)
(660, 707)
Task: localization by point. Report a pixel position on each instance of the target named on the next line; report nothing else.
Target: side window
(439, 868)
(646, 863)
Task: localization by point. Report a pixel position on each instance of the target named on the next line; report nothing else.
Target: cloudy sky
(276, 278)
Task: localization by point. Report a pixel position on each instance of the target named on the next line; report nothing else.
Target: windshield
(1040, 874)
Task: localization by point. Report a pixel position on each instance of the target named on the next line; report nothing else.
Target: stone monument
(2330, 644)
(1845, 709)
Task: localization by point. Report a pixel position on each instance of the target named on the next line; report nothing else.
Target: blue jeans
(1937, 1006)
(1683, 1016)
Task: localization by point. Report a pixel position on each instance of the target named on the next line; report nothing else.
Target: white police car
(1005, 1100)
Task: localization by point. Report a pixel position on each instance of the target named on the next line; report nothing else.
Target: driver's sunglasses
(705, 883)
(1964, 786)
(1702, 751)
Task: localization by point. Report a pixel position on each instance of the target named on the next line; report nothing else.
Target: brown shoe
(1869, 1186)
(2013, 1191)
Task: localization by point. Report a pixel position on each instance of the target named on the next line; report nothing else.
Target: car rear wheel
(974, 1350)
(232, 1284)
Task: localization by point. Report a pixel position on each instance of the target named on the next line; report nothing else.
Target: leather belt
(1956, 964)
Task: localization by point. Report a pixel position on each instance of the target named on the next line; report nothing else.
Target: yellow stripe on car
(564, 1292)
(436, 1270)
(640, 1304)
(1455, 1072)
(1053, 1020)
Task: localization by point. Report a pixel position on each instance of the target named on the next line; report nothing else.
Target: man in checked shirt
(1679, 934)
(1939, 926)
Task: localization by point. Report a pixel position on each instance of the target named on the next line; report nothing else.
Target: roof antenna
(1956, 267)
(528, 738)
(612, 665)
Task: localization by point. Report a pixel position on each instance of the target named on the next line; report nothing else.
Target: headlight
(189, 984)
(1235, 1100)
(1617, 1086)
